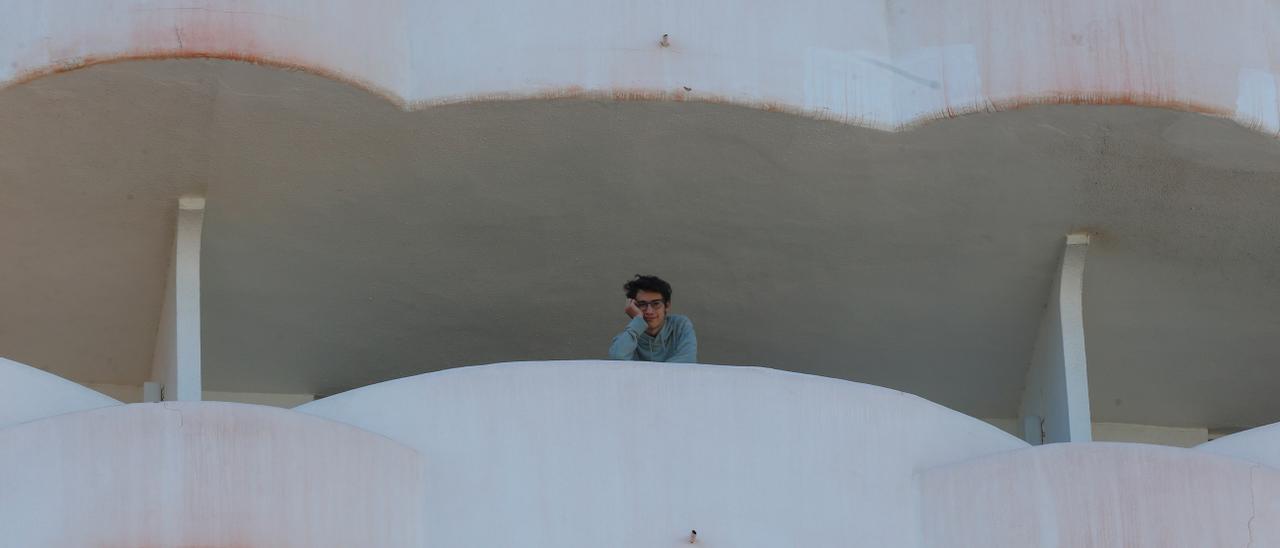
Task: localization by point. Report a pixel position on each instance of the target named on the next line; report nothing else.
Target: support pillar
(1055, 402)
(175, 364)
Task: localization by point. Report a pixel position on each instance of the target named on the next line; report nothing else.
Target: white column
(1055, 402)
(176, 362)
(151, 392)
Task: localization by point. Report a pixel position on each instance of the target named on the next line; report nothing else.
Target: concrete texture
(274, 400)
(205, 474)
(1131, 433)
(587, 454)
(1156, 435)
(27, 394)
(1101, 495)
(125, 393)
(134, 394)
(348, 242)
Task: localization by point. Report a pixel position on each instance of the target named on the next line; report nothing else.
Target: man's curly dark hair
(648, 283)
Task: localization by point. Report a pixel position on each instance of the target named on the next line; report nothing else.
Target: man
(653, 335)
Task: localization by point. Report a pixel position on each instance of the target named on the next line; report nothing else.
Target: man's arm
(624, 344)
(686, 344)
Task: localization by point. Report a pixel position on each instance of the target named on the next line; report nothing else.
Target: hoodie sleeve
(686, 342)
(624, 344)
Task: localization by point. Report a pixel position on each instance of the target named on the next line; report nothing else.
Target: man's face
(652, 308)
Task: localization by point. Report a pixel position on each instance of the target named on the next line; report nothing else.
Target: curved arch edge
(29, 394)
(678, 95)
(859, 64)
(1259, 445)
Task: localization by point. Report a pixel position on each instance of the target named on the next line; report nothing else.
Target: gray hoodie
(675, 342)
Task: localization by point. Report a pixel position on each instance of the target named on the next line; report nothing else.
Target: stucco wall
(597, 453)
(867, 62)
(205, 474)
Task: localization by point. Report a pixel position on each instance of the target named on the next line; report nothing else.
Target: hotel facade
(964, 273)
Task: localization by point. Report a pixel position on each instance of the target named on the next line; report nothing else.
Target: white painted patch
(191, 202)
(848, 85)
(937, 79)
(861, 85)
(1256, 99)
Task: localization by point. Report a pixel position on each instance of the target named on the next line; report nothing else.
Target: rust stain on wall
(678, 94)
(1100, 98)
(77, 63)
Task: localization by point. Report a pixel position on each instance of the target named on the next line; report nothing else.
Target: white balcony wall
(1101, 495)
(595, 453)
(866, 62)
(27, 394)
(1260, 445)
(205, 474)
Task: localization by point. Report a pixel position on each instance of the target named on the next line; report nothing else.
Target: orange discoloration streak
(197, 33)
(641, 94)
(160, 55)
(1071, 98)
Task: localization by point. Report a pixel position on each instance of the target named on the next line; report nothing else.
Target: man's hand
(631, 309)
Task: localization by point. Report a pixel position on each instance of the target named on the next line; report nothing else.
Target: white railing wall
(205, 474)
(626, 454)
(592, 453)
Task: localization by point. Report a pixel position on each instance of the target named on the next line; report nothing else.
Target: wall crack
(1253, 505)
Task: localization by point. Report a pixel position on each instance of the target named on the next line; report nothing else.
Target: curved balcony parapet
(596, 453)
(1101, 494)
(205, 474)
(1260, 445)
(27, 394)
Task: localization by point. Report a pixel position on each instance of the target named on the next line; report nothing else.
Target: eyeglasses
(656, 305)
